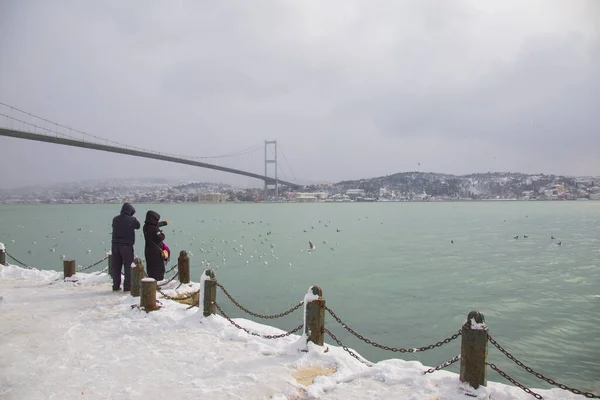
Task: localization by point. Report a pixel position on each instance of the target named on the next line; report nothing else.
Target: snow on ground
(80, 340)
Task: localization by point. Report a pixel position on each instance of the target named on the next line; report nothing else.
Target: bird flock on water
(252, 242)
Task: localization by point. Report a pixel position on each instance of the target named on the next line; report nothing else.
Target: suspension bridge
(28, 126)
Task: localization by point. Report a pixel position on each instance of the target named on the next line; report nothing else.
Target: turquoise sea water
(391, 272)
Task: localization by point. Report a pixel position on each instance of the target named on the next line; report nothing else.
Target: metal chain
(169, 281)
(283, 314)
(511, 380)
(589, 395)
(442, 366)
(99, 272)
(166, 296)
(394, 349)
(172, 268)
(232, 322)
(353, 354)
(91, 266)
(19, 262)
(88, 267)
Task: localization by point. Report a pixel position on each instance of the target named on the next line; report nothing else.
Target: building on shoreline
(311, 197)
(409, 186)
(212, 197)
(355, 193)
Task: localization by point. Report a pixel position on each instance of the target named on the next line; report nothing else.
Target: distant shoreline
(294, 202)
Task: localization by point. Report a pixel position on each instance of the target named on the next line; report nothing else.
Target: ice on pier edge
(80, 340)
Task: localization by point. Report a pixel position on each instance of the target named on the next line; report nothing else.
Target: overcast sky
(349, 89)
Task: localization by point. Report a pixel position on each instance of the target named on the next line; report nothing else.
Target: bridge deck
(136, 153)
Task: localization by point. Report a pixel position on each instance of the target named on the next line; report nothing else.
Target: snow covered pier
(241, 359)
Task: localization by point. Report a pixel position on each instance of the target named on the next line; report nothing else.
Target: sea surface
(388, 270)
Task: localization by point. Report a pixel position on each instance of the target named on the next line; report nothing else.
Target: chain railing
(19, 262)
(168, 281)
(171, 269)
(232, 322)
(178, 298)
(104, 270)
(589, 395)
(346, 349)
(388, 348)
(514, 382)
(238, 305)
(78, 270)
(92, 265)
(443, 365)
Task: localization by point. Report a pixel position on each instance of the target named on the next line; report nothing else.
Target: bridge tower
(268, 160)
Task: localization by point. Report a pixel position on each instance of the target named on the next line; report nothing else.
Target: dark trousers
(122, 255)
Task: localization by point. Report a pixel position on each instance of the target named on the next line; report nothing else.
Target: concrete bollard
(148, 297)
(183, 267)
(69, 268)
(137, 274)
(209, 292)
(3, 254)
(315, 318)
(474, 350)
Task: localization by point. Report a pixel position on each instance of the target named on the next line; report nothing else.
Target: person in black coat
(123, 239)
(154, 252)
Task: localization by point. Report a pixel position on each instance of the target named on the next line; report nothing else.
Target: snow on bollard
(314, 315)
(148, 297)
(137, 273)
(183, 267)
(474, 350)
(2, 254)
(69, 268)
(208, 292)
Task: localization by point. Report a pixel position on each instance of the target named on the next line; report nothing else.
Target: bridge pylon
(268, 160)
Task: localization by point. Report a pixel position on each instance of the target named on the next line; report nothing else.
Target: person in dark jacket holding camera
(154, 251)
(123, 239)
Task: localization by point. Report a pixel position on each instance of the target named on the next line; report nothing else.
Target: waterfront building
(212, 197)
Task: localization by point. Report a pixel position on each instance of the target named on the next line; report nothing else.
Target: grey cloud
(349, 89)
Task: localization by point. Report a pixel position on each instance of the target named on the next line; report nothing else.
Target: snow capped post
(148, 298)
(137, 273)
(474, 350)
(2, 254)
(208, 292)
(183, 267)
(69, 268)
(314, 319)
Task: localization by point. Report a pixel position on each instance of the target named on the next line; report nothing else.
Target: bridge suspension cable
(281, 171)
(288, 164)
(32, 131)
(107, 141)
